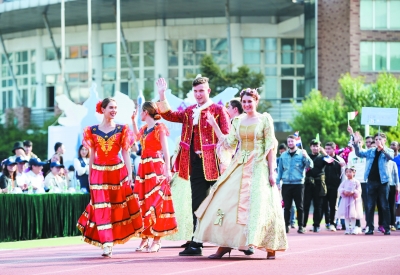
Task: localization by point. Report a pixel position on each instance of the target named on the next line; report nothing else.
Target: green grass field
(42, 243)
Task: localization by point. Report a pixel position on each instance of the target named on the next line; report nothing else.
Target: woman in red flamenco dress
(113, 214)
(152, 180)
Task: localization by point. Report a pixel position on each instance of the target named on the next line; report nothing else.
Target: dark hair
(200, 80)
(382, 135)
(106, 101)
(237, 104)
(367, 137)
(7, 174)
(291, 136)
(79, 152)
(250, 92)
(314, 142)
(151, 109)
(350, 168)
(282, 146)
(330, 144)
(28, 143)
(57, 145)
(71, 168)
(373, 142)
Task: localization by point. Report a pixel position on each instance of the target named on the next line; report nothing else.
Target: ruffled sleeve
(127, 137)
(357, 189)
(269, 134)
(88, 141)
(161, 128)
(226, 146)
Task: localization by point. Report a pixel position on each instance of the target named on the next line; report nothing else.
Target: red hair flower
(98, 107)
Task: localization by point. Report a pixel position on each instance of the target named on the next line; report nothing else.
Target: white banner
(379, 116)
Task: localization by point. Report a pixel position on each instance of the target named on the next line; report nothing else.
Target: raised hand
(357, 137)
(161, 87)
(350, 130)
(134, 115)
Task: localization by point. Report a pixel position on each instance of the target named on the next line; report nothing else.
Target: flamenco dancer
(152, 180)
(113, 214)
(243, 210)
(197, 157)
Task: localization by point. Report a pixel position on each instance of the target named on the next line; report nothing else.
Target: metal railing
(283, 111)
(40, 115)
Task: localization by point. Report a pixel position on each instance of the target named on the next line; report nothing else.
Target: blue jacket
(291, 170)
(383, 161)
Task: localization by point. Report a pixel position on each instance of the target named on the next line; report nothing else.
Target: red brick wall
(339, 37)
(333, 43)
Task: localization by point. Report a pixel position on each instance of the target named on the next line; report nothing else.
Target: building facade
(297, 45)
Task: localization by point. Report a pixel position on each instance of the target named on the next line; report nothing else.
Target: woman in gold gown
(243, 210)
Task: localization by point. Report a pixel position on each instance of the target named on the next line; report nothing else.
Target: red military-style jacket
(206, 140)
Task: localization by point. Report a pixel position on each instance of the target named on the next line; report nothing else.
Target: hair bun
(157, 116)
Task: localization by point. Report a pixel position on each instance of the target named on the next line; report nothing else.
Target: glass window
(33, 97)
(300, 88)
(148, 46)
(270, 58)
(4, 101)
(270, 71)
(366, 56)
(134, 47)
(287, 72)
(25, 97)
(201, 45)
(188, 59)
(394, 56)
(10, 99)
(252, 58)
(221, 58)
(380, 14)
(252, 44)
(33, 56)
(73, 77)
(24, 56)
(219, 44)
(287, 45)
(149, 74)
(172, 59)
(287, 89)
(173, 46)
(270, 44)
(109, 62)
(366, 14)
(188, 45)
(271, 88)
(173, 73)
(74, 52)
(380, 56)
(50, 54)
(394, 14)
(109, 49)
(149, 60)
(300, 71)
(84, 51)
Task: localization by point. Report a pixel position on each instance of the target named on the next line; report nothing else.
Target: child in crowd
(350, 207)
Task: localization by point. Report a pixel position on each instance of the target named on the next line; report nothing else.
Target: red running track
(311, 253)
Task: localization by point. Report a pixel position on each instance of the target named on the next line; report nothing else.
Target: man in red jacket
(197, 157)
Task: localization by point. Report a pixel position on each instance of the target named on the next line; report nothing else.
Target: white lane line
(100, 264)
(358, 264)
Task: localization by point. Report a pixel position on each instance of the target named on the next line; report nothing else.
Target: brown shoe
(271, 255)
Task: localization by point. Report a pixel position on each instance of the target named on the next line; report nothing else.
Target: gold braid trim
(150, 159)
(154, 190)
(109, 226)
(164, 233)
(130, 197)
(108, 186)
(110, 205)
(163, 106)
(108, 167)
(167, 215)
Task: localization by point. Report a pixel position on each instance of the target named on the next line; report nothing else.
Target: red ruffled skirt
(113, 214)
(154, 195)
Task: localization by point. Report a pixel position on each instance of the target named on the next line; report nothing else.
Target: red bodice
(108, 145)
(150, 138)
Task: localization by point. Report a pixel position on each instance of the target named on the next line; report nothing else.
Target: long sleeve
(280, 170)
(308, 162)
(167, 114)
(359, 152)
(341, 188)
(224, 121)
(229, 141)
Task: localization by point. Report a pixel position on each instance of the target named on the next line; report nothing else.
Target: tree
(221, 79)
(323, 116)
(328, 117)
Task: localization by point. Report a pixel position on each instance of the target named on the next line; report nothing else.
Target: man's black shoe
(387, 232)
(287, 229)
(316, 229)
(192, 251)
(369, 232)
(301, 230)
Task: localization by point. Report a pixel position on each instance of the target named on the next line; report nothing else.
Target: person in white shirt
(21, 178)
(53, 181)
(35, 175)
(81, 165)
